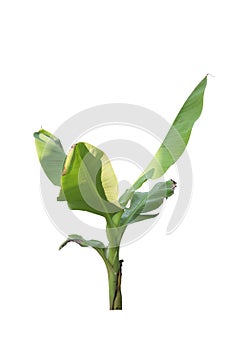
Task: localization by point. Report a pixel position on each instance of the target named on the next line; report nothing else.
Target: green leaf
(142, 218)
(93, 243)
(51, 155)
(177, 138)
(89, 182)
(83, 242)
(143, 202)
(155, 197)
(175, 141)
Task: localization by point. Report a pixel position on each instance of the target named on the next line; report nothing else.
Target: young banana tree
(87, 182)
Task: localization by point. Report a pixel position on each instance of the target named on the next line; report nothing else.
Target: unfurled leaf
(175, 141)
(82, 242)
(177, 138)
(93, 243)
(141, 217)
(51, 155)
(144, 202)
(89, 182)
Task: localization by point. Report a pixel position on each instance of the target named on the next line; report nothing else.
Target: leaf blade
(142, 218)
(178, 136)
(143, 202)
(51, 155)
(83, 182)
(83, 242)
(175, 141)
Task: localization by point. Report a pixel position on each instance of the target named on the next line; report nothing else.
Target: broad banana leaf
(89, 182)
(175, 141)
(144, 202)
(51, 155)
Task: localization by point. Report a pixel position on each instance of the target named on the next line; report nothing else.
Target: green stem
(114, 282)
(114, 234)
(113, 265)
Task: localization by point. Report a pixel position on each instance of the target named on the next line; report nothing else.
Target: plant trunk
(114, 281)
(114, 234)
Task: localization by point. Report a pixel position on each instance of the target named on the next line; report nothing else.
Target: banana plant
(87, 181)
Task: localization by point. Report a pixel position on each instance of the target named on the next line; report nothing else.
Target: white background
(58, 58)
